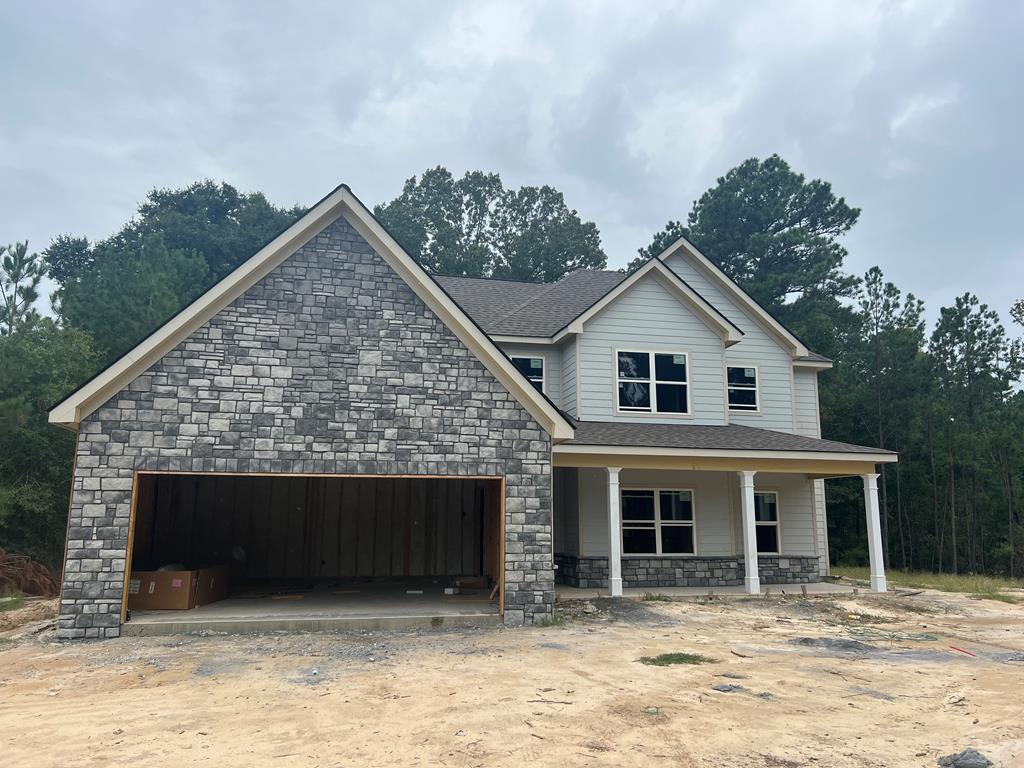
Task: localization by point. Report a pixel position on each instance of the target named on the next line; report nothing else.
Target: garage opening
(250, 552)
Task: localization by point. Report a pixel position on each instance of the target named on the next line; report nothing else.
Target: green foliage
(181, 242)
(770, 230)
(42, 362)
(668, 659)
(662, 240)
(474, 226)
(20, 274)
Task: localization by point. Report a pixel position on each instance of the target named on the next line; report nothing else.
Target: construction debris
(969, 758)
(20, 573)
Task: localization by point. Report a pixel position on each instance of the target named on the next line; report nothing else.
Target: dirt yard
(869, 681)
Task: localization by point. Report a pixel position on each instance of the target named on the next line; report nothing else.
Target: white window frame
(778, 519)
(544, 368)
(757, 389)
(657, 521)
(652, 382)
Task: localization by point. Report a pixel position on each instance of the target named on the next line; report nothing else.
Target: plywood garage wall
(312, 528)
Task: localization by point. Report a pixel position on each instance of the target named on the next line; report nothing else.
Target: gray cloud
(910, 109)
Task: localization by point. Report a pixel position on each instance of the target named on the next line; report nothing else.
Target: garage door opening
(309, 552)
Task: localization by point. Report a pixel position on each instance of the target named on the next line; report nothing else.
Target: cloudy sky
(913, 111)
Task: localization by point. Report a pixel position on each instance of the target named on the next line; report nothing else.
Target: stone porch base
(592, 572)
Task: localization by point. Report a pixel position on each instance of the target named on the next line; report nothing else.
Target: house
(331, 413)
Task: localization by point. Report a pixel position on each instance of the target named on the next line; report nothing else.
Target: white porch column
(614, 534)
(874, 532)
(751, 581)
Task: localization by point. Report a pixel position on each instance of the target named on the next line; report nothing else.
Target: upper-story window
(532, 368)
(652, 382)
(742, 387)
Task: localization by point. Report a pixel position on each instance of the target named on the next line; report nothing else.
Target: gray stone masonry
(592, 572)
(330, 364)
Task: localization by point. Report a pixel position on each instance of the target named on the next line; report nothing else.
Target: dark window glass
(638, 505)
(671, 398)
(768, 539)
(743, 399)
(670, 367)
(677, 539)
(638, 541)
(741, 375)
(676, 505)
(766, 509)
(532, 368)
(634, 365)
(632, 394)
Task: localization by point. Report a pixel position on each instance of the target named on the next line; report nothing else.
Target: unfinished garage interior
(316, 552)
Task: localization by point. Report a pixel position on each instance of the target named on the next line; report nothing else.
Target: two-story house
(330, 415)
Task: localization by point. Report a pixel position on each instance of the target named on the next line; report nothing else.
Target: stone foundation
(592, 572)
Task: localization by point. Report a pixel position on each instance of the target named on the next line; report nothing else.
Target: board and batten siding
(552, 365)
(758, 347)
(649, 318)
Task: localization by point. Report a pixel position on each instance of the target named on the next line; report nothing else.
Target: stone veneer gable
(330, 364)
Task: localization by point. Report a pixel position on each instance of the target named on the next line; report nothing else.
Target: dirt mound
(31, 612)
(20, 573)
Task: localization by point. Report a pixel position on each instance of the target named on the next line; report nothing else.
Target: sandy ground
(821, 685)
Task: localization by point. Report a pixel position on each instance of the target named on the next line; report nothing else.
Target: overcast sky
(912, 110)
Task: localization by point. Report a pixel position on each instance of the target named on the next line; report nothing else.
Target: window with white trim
(652, 382)
(741, 383)
(657, 522)
(766, 522)
(532, 368)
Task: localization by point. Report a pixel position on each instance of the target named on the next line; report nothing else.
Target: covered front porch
(656, 518)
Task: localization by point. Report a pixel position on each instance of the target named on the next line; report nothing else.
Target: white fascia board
(797, 348)
(821, 365)
(675, 285)
(341, 202)
(723, 453)
(521, 339)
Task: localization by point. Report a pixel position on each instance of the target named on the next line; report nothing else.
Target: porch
(704, 512)
(565, 593)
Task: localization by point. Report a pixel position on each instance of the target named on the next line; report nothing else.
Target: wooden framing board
(248, 506)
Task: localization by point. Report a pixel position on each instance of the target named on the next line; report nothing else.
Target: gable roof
(511, 308)
(796, 347)
(340, 202)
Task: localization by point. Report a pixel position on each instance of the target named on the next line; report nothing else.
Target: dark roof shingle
(703, 437)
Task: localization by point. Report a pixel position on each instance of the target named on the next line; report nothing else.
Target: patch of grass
(11, 602)
(556, 619)
(656, 597)
(668, 659)
(989, 587)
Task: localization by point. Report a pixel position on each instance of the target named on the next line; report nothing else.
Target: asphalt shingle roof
(510, 308)
(701, 437)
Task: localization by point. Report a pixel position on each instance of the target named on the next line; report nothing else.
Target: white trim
(876, 554)
(796, 347)
(656, 490)
(633, 450)
(820, 365)
(675, 285)
(545, 340)
(543, 357)
(652, 383)
(614, 543)
(778, 518)
(751, 577)
(757, 389)
(341, 202)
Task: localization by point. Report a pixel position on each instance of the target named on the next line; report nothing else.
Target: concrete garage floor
(346, 607)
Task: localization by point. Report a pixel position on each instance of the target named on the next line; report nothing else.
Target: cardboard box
(170, 590)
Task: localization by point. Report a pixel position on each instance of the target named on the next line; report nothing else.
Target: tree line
(943, 397)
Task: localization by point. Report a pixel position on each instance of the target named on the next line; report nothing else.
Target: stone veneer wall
(592, 572)
(330, 364)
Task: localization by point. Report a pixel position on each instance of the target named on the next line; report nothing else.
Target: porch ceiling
(738, 461)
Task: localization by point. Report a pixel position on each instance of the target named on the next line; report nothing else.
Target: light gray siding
(569, 384)
(718, 526)
(805, 398)
(552, 365)
(648, 317)
(759, 347)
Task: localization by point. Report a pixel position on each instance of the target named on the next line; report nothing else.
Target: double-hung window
(652, 382)
(657, 522)
(532, 368)
(766, 522)
(742, 387)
